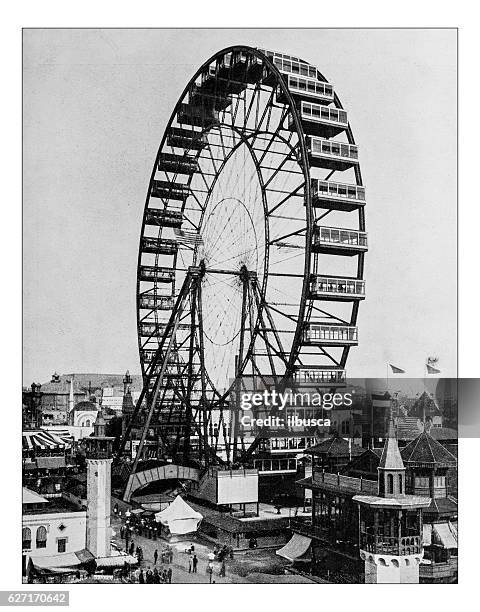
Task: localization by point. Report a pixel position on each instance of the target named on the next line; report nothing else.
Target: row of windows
(291, 443)
(317, 111)
(423, 482)
(338, 285)
(321, 146)
(338, 190)
(334, 332)
(389, 483)
(40, 539)
(316, 88)
(287, 63)
(338, 236)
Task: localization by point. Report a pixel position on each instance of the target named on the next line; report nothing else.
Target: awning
(446, 534)
(63, 560)
(427, 535)
(116, 561)
(295, 548)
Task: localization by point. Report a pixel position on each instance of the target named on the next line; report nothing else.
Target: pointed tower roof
(391, 458)
(425, 451)
(99, 425)
(425, 406)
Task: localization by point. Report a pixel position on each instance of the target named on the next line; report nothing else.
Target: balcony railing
(347, 483)
(336, 335)
(338, 239)
(380, 544)
(337, 288)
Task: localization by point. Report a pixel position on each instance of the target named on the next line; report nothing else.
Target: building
(65, 391)
(390, 523)
(428, 464)
(50, 527)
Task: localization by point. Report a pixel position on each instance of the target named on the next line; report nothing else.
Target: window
(61, 545)
(26, 538)
(390, 483)
(41, 537)
(400, 483)
(421, 482)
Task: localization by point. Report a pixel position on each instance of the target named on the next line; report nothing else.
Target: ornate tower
(99, 464)
(390, 523)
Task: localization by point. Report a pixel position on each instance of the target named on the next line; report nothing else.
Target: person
(141, 577)
(132, 548)
(190, 565)
(155, 557)
(164, 576)
(122, 532)
(210, 570)
(169, 575)
(156, 576)
(194, 563)
(149, 576)
(222, 569)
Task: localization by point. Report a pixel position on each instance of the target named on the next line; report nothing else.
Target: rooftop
(30, 497)
(426, 451)
(335, 447)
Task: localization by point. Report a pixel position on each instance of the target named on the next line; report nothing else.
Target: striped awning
(43, 440)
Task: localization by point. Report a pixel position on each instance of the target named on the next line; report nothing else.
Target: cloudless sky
(96, 103)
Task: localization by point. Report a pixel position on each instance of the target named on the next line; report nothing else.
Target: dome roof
(90, 406)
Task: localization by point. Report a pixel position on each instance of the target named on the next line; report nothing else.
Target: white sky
(96, 104)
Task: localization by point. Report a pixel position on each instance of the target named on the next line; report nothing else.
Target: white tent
(179, 517)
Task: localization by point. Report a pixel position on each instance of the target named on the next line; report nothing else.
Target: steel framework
(240, 282)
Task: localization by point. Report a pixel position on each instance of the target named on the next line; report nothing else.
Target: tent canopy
(295, 548)
(179, 517)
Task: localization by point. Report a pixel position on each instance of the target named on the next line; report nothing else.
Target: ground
(250, 566)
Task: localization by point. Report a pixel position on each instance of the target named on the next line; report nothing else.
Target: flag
(396, 370)
(187, 237)
(432, 370)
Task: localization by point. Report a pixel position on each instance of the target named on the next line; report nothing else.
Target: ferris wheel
(252, 248)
